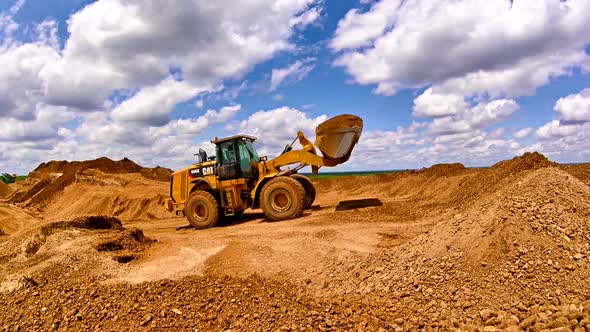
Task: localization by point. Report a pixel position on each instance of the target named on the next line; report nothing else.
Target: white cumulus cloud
(430, 104)
(574, 119)
(501, 48)
(524, 132)
(359, 29)
(476, 117)
(555, 129)
(292, 73)
(116, 44)
(277, 127)
(575, 107)
(153, 105)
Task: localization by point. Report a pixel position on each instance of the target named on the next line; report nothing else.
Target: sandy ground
(295, 249)
(443, 248)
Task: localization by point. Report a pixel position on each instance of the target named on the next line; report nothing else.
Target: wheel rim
(200, 211)
(280, 200)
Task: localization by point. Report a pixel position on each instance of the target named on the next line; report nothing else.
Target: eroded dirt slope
(5, 190)
(61, 189)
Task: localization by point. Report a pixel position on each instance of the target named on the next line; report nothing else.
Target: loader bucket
(336, 138)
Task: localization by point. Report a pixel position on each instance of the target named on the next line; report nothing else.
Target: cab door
(227, 160)
(248, 159)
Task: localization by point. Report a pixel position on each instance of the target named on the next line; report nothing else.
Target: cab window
(248, 154)
(248, 158)
(225, 153)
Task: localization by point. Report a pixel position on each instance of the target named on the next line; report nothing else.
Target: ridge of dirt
(125, 196)
(35, 188)
(441, 188)
(528, 161)
(55, 176)
(63, 190)
(442, 170)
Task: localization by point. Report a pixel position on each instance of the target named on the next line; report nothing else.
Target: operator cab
(236, 157)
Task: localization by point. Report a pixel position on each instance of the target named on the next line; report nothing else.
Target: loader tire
(282, 198)
(202, 210)
(309, 189)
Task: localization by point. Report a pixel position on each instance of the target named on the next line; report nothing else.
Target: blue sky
(435, 81)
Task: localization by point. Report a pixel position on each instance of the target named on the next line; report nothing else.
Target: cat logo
(207, 170)
(202, 171)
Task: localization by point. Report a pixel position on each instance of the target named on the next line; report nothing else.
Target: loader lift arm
(335, 138)
(306, 156)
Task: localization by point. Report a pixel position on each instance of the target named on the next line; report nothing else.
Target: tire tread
(288, 181)
(211, 199)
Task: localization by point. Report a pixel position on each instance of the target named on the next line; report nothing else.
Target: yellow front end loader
(236, 178)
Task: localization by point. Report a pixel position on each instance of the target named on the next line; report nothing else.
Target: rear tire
(202, 210)
(282, 198)
(309, 189)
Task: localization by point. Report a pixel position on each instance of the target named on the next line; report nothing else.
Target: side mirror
(263, 158)
(202, 156)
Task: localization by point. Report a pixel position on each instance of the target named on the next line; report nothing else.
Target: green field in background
(7, 178)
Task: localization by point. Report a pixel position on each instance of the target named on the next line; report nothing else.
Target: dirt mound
(157, 173)
(89, 222)
(125, 196)
(479, 183)
(42, 251)
(442, 170)
(547, 208)
(39, 238)
(436, 189)
(523, 249)
(528, 161)
(55, 176)
(130, 239)
(63, 190)
(104, 164)
(34, 238)
(5, 190)
(430, 192)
